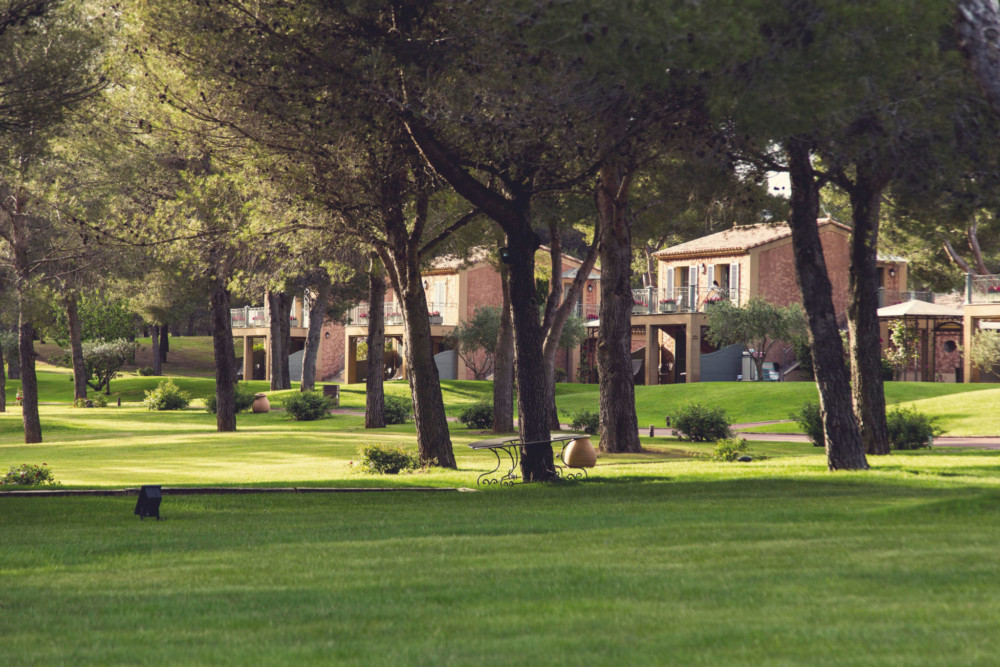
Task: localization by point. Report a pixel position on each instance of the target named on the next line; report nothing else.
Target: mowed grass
(660, 557)
(683, 562)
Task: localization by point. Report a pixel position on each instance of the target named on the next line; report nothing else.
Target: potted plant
(668, 305)
(993, 293)
(435, 317)
(711, 301)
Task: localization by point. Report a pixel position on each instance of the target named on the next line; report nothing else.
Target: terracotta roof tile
(734, 241)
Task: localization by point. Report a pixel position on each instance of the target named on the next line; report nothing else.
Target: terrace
(442, 313)
(982, 289)
(688, 299)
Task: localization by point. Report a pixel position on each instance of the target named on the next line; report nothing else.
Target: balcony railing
(982, 289)
(244, 318)
(651, 301)
(890, 297)
(447, 312)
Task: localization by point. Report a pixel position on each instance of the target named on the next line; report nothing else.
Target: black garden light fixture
(505, 256)
(148, 503)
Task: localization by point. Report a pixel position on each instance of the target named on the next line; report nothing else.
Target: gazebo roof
(915, 308)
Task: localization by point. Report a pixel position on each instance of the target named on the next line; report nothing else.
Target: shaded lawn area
(710, 565)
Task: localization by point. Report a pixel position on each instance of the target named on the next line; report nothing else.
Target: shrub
(103, 360)
(80, 403)
(586, 421)
(398, 410)
(478, 415)
(242, 395)
(27, 474)
(909, 429)
(730, 449)
(166, 396)
(385, 460)
(702, 424)
(145, 371)
(99, 401)
(810, 422)
(307, 406)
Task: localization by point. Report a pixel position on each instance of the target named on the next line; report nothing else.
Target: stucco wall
(331, 351)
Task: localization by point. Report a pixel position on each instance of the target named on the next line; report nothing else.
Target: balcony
(248, 318)
(982, 289)
(889, 297)
(447, 312)
(651, 301)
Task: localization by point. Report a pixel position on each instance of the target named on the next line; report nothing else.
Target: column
(652, 355)
(247, 358)
(351, 373)
(692, 339)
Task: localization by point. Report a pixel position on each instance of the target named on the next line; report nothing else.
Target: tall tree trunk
(844, 449)
(619, 424)
(285, 326)
(537, 464)
(225, 357)
(14, 367)
(317, 314)
(401, 258)
(76, 346)
(164, 342)
(279, 307)
(3, 383)
(862, 311)
(29, 382)
(558, 308)
(374, 390)
(154, 337)
(503, 364)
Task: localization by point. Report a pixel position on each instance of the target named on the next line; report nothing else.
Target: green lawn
(660, 557)
(677, 561)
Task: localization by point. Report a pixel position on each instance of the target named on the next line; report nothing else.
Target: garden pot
(580, 453)
(436, 319)
(260, 403)
(668, 307)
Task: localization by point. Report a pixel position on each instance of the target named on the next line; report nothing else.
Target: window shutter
(734, 283)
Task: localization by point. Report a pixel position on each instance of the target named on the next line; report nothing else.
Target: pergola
(929, 319)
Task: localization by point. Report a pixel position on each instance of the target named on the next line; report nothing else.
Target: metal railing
(890, 297)
(982, 289)
(440, 313)
(248, 318)
(651, 301)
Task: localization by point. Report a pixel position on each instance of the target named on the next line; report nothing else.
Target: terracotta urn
(260, 403)
(580, 453)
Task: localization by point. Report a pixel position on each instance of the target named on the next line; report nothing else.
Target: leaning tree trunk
(619, 424)
(433, 437)
(154, 337)
(503, 365)
(225, 357)
(76, 346)
(286, 339)
(374, 389)
(844, 449)
(14, 367)
(317, 314)
(537, 464)
(862, 312)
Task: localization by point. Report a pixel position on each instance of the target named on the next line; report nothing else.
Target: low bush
(478, 415)
(586, 421)
(811, 423)
(700, 423)
(909, 429)
(243, 396)
(398, 410)
(730, 449)
(385, 460)
(307, 406)
(97, 401)
(27, 474)
(166, 396)
(144, 371)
